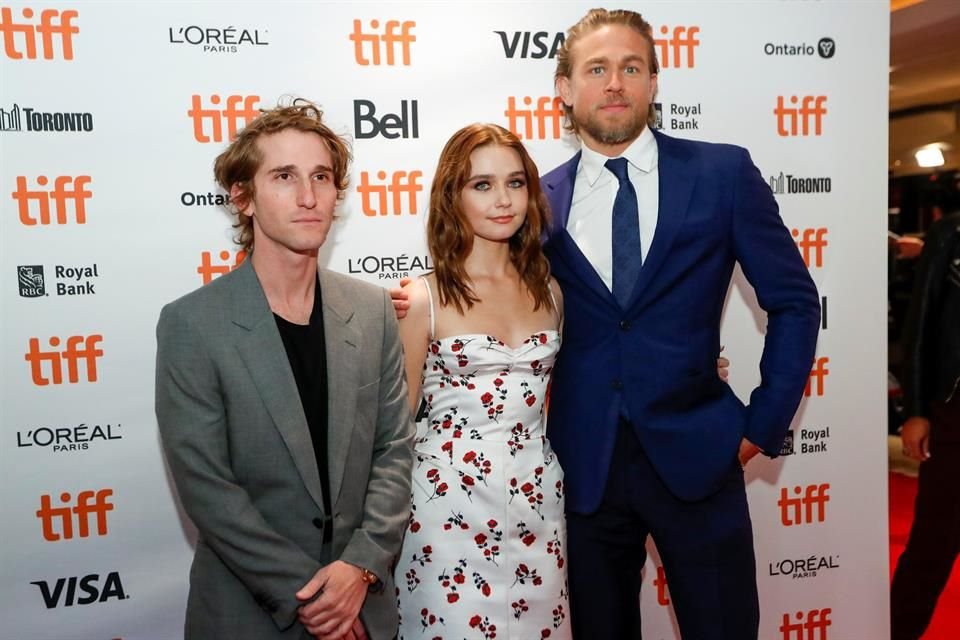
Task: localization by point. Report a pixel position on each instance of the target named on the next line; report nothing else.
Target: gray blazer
(239, 449)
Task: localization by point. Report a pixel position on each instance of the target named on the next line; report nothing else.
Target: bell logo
(811, 243)
(209, 271)
(84, 509)
(549, 109)
(818, 377)
(388, 42)
(807, 508)
(73, 355)
(52, 23)
(65, 189)
(401, 182)
(75, 586)
(814, 623)
(796, 121)
(406, 124)
(663, 593)
(676, 49)
(231, 115)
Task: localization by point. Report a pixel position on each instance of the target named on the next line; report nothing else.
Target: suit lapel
(343, 340)
(559, 188)
(265, 358)
(678, 175)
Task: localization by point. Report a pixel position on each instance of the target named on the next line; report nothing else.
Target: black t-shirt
(306, 351)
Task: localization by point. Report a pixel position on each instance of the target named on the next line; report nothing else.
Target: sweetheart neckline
(499, 341)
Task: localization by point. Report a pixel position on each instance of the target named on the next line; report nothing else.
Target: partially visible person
(282, 407)
(485, 550)
(931, 432)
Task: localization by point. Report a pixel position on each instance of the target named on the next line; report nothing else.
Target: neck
(489, 259)
(288, 280)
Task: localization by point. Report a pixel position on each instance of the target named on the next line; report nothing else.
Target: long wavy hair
(450, 236)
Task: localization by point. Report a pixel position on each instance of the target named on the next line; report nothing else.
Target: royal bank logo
(29, 119)
(389, 267)
(70, 280)
(789, 184)
(658, 109)
(801, 568)
(61, 439)
(825, 48)
(217, 39)
(787, 448)
(30, 279)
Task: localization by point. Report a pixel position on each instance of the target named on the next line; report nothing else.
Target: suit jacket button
(318, 523)
(617, 384)
(624, 325)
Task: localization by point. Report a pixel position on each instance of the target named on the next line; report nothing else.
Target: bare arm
(415, 336)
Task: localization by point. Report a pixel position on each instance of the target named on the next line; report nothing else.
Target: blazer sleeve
(375, 544)
(193, 428)
(772, 264)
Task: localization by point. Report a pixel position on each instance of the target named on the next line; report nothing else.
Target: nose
(503, 196)
(305, 195)
(615, 82)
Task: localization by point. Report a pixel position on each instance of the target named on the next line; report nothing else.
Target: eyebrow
(634, 57)
(489, 176)
(291, 168)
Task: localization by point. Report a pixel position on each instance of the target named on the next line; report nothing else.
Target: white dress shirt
(594, 190)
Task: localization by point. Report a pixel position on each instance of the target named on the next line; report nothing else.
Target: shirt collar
(642, 154)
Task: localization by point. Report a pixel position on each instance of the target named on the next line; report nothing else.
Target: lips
(502, 219)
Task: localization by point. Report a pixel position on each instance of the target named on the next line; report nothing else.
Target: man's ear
(240, 199)
(563, 88)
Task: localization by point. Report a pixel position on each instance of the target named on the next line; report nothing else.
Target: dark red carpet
(946, 620)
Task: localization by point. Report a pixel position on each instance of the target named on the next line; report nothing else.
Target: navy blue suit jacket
(656, 359)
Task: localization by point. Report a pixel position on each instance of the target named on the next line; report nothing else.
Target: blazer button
(617, 384)
(624, 325)
(318, 523)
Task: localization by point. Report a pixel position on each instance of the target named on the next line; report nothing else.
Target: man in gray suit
(282, 407)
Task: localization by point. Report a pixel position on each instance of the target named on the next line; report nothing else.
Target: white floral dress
(484, 551)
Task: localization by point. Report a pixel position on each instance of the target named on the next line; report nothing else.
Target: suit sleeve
(193, 427)
(772, 264)
(387, 506)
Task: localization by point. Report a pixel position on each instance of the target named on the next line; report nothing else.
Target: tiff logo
(388, 42)
(681, 43)
(209, 271)
(804, 509)
(796, 121)
(65, 189)
(83, 510)
(818, 377)
(811, 243)
(52, 23)
(814, 623)
(73, 355)
(401, 182)
(549, 109)
(231, 115)
(663, 593)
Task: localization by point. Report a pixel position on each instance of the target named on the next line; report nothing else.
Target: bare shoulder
(557, 294)
(419, 298)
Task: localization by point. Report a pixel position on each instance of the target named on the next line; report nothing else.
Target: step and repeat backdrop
(111, 115)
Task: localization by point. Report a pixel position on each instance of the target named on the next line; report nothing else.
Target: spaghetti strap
(556, 308)
(430, 298)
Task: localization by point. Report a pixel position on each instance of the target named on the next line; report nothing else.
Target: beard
(613, 134)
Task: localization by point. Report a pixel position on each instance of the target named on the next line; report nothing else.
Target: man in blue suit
(646, 232)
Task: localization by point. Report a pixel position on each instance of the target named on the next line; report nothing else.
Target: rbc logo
(65, 189)
(49, 515)
(387, 42)
(230, 115)
(52, 23)
(406, 124)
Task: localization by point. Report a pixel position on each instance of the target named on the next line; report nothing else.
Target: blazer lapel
(265, 358)
(678, 175)
(559, 188)
(343, 340)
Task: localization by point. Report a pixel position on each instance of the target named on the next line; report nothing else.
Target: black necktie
(627, 258)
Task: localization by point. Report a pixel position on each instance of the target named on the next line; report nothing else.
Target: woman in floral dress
(483, 555)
